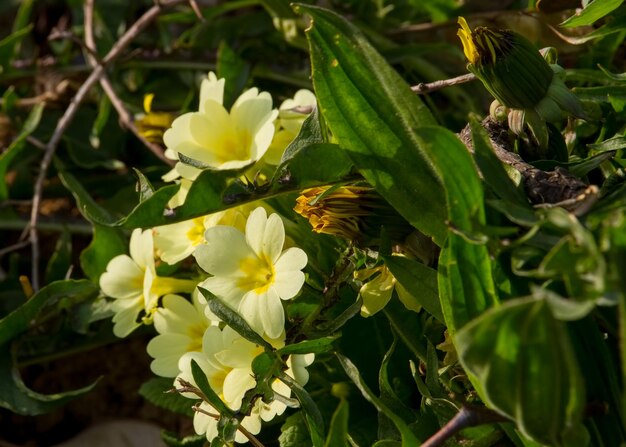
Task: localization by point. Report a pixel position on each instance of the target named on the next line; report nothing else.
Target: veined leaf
(524, 360)
(592, 12)
(14, 395)
(374, 116)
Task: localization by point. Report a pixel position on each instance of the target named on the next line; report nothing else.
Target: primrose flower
(377, 292)
(217, 138)
(291, 114)
(181, 326)
(151, 125)
(177, 241)
(252, 272)
(356, 213)
(515, 73)
(133, 283)
(226, 360)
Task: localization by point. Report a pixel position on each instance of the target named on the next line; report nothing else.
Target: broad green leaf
(233, 319)
(408, 438)
(312, 414)
(592, 12)
(374, 117)
(14, 395)
(18, 145)
(419, 280)
(156, 391)
(523, 358)
(317, 346)
(466, 286)
(338, 430)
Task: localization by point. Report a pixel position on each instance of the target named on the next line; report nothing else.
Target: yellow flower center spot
(196, 232)
(258, 274)
(234, 146)
(195, 332)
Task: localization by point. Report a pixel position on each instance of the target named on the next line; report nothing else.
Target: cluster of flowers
(241, 253)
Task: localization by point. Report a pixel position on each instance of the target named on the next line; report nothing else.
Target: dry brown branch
(423, 88)
(69, 114)
(543, 188)
(125, 117)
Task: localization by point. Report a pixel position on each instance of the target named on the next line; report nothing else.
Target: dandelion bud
(519, 77)
(356, 213)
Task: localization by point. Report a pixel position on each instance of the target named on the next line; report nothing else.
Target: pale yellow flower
(177, 241)
(377, 292)
(181, 326)
(220, 139)
(226, 360)
(252, 272)
(133, 283)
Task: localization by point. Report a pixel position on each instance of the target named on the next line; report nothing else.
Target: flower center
(196, 232)
(258, 274)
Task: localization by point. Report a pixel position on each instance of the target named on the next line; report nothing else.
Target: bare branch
(422, 88)
(544, 188)
(125, 117)
(253, 440)
(69, 114)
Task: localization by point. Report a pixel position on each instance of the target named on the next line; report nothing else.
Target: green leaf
(523, 358)
(312, 413)
(233, 319)
(317, 346)
(374, 116)
(145, 188)
(408, 438)
(171, 440)
(419, 280)
(14, 395)
(310, 133)
(294, 433)
(156, 392)
(316, 164)
(105, 245)
(212, 398)
(8, 46)
(593, 11)
(61, 260)
(338, 430)
(234, 69)
(17, 146)
(466, 286)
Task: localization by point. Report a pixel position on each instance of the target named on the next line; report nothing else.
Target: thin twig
(125, 117)
(13, 247)
(465, 418)
(69, 114)
(253, 440)
(423, 88)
